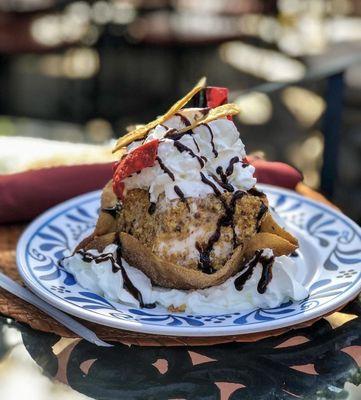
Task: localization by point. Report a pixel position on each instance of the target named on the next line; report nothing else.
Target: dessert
(182, 224)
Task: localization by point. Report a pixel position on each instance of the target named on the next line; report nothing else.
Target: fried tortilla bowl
(166, 274)
(169, 275)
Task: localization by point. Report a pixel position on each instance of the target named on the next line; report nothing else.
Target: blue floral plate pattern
(329, 265)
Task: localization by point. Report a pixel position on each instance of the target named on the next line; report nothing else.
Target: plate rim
(167, 330)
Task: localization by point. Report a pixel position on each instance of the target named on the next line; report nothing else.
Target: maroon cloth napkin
(25, 195)
(276, 173)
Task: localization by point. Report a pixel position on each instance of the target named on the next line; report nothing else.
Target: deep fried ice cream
(183, 223)
(179, 232)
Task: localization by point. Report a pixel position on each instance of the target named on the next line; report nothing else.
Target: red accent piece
(142, 157)
(25, 195)
(216, 96)
(275, 173)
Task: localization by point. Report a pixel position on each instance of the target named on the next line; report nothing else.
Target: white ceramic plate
(329, 266)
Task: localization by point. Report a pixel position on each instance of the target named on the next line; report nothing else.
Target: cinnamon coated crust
(174, 229)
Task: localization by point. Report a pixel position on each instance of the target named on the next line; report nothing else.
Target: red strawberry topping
(216, 96)
(141, 157)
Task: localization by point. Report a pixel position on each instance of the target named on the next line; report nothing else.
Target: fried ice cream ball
(177, 230)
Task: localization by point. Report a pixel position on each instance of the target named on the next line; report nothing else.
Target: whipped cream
(223, 298)
(213, 145)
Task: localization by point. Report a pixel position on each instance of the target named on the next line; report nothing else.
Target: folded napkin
(25, 195)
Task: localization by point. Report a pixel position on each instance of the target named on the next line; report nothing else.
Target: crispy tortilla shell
(98, 243)
(222, 111)
(265, 240)
(166, 274)
(106, 223)
(269, 225)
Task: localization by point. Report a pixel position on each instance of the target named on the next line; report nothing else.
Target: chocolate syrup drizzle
(184, 119)
(117, 265)
(256, 192)
(152, 207)
(205, 110)
(180, 194)
(221, 173)
(173, 134)
(211, 184)
(215, 152)
(225, 220)
(186, 122)
(262, 211)
(224, 184)
(182, 147)
(165, 168)
(113, 211)
(266, 277)
(230, 168)
(224, 175)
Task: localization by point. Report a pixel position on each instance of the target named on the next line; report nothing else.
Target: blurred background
(82, 71)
